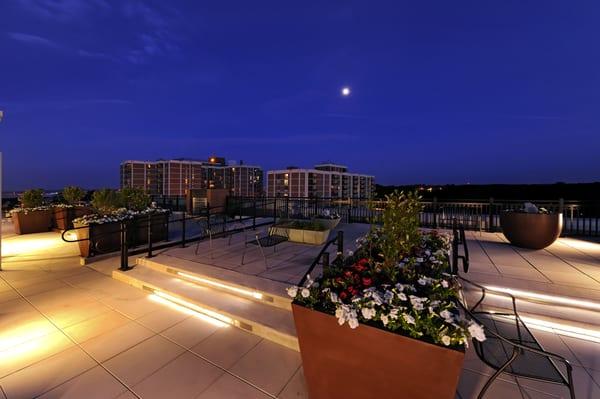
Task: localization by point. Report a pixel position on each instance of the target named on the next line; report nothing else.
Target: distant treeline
(567, 191)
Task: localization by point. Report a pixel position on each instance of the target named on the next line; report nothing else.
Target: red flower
(352, 290)
(343, 295)
(363, 262)
(348, 273)
(339, 280)
(359, 268)
(367, 281)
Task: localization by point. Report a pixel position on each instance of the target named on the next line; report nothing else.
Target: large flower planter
(329, 224)
(307, 236)
(531, 230)
(366, 362)
(63, 217)
(104, 238)
(32, 221)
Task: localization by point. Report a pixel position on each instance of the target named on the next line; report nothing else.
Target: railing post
(208, 216)
(254, 215)
(124, 248)
(491, 215)
(435, 210)
(561, 205)
(183, 231)
(325, 260)
(149, 235)
(340, 242)
(275, 211)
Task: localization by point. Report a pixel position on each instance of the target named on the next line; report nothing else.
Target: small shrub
(135, 199)
(106, 201)
(32, 198)
(400, 232)
(73, 194)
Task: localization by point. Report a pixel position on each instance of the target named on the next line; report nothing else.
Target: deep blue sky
(442, 91)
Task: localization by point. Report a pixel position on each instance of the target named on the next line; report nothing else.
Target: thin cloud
(63, 10)
(33, 40)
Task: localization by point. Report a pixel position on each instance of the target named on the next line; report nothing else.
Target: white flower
(377, 298)
(333, 297)
(401, 296)
(388, 296)
(408, 318)
(444, 284)
(292, 291)
(384, 320)
(446, 340)
(447, 316)
(305, 293)
(339, 313)
(367, 313)
(476, 332)
(353, 322)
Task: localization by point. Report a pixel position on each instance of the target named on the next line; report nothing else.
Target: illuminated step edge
(214, 316)
(561, 328)
(219, 284)
(544, 298)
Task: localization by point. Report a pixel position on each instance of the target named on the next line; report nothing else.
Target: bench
(273, 237)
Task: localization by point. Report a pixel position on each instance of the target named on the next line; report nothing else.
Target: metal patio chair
(273, 237)
(511, 348)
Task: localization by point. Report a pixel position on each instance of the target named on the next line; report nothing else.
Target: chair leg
(497, 373)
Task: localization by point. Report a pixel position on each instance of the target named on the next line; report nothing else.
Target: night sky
(442, 91)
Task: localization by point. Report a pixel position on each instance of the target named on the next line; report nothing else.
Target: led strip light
(546, 298)
(561, 329)
(208, 315)
(253, 294)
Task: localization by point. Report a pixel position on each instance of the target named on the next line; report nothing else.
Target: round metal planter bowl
(531, 230)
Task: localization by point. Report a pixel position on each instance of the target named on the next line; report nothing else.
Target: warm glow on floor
(551, 299)
(582, 245)
(26, 245)
(24, 333)
(213, 283)
(191, 309)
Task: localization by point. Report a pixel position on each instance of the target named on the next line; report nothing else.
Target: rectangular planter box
(32, 222)
(329, 224)
(105, 238)
(306, 236)
(367, 362)
(63, 217)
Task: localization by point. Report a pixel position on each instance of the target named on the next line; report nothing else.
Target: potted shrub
(531, 227)
(32, 216)
(304, 231)
(71, 208)
(100, 232)
(390, 309)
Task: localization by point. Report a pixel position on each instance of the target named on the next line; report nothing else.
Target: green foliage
(106, 201)
(32, 198)
(312, 225)
(135, 199)
(400, 232)
(73, 194)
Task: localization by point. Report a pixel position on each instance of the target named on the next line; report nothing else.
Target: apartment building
(175, 177)
(323, 181)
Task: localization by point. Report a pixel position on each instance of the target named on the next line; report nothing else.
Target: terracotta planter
(105, 238)
(531, 230)
(367, 362)
(98, 238)
(32, 222)
(63, 217)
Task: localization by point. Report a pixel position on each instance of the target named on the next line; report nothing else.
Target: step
(251, 287)
(547, 309)
(269, 322)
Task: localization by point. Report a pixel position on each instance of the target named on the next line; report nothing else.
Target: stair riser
(241, 323)
(267, 298)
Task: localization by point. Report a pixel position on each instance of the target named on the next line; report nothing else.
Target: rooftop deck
(72, 331)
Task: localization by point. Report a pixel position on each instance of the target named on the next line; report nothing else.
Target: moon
(346, 91)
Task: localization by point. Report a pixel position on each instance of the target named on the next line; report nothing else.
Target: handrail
(339, 239)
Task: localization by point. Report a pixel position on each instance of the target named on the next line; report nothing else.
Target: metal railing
(581, 218)
(323, 256)
(146, 234)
